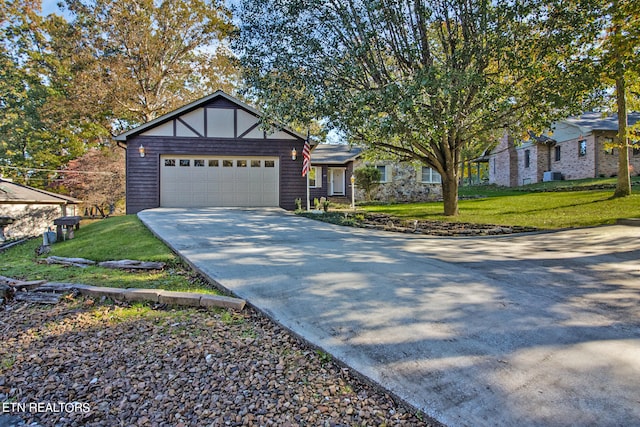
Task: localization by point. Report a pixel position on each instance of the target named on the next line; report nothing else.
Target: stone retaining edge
(163, 297)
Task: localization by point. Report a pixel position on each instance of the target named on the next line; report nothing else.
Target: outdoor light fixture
(294, 154)
(141, 150)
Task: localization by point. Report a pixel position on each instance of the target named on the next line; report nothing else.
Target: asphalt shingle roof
(334, 154)
(596, 121)
(10, 192)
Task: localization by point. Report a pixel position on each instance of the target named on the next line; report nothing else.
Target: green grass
(115, 238)
(545, 205)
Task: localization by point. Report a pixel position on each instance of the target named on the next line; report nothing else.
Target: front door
(336, 182)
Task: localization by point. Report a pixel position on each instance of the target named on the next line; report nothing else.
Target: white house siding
(30, 219)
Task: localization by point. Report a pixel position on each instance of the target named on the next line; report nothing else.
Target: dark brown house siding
(324, 191)
(143, 173)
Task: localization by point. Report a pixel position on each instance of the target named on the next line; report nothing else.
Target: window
(255, 163)
(557, 153)
(431, 176)
(169, 162)
(582, 147)
(227, 163)
(384, 173)
(269, 164)
(185, 162)
(527, 158)
(636, 150)
(241, 163)
(214, 163)
(315, 177)
(198, 163)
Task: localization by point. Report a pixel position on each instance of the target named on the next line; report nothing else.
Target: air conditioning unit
(551, 176)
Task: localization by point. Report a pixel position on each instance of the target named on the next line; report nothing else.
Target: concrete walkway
(537, 329)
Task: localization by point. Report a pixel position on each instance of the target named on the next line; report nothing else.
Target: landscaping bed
(388, 222)
(133, 365)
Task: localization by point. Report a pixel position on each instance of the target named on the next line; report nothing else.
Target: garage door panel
(192, 181)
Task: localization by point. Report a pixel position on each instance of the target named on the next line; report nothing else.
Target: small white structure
(32, 209)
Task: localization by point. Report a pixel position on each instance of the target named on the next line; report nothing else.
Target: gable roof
(192, 106)
(12, 193)
(334, 154)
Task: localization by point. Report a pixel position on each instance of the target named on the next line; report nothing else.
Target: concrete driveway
(536, 329)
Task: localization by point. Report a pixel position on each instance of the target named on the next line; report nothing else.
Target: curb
(633, 222)
(133, 294)
(164, 297)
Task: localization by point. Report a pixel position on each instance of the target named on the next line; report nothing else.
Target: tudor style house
(212, 152)
(575, 148)
(215, 152)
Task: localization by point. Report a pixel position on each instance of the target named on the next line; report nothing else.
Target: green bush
(367, 178)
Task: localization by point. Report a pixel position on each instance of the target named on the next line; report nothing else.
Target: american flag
(306, 158)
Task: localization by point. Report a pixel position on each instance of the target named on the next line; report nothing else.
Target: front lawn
(517, 207)
(115, 238)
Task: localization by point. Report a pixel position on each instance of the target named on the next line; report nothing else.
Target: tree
(151, 56)
(27, 145)
(97, 178)
(367, 178)
(621, 49)
(419, 79)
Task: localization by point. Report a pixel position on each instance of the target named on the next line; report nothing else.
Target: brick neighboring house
(333, 164)
(574, 149)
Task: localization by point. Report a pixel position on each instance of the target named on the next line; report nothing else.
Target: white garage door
(197, 181)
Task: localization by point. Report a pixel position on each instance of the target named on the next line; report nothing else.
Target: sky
(50, 6)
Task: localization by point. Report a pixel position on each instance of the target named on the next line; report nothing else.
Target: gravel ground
(135, 366)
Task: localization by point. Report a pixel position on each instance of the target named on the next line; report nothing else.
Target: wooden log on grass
(133, 264)
(75, 262)
(37, 297)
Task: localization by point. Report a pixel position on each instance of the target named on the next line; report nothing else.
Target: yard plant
(120, 237)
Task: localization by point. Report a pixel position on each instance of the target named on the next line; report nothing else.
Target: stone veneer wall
(404, 186)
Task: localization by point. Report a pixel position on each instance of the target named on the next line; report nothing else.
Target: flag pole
(308, 195)
(308, 203)
(306, 166)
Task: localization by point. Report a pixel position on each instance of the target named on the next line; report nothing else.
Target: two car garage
(196, 181)
(216, 151)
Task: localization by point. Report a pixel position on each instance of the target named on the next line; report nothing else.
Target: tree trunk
(450, 193)
(623, 186)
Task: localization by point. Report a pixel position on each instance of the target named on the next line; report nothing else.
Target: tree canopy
(420, 79)
(67, 84)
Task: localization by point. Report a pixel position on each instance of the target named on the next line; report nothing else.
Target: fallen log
(9, 281)
(37, 297)
(26, 286)
(132, 264)
(58, 287)
(75, 262)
